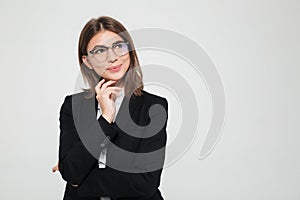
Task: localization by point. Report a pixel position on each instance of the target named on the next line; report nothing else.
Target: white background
(254, 45)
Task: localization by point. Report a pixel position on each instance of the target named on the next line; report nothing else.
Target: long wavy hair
(132, 79)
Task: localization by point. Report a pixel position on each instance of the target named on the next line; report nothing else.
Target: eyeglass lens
(119, 49)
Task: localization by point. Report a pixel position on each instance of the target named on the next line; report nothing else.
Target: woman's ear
(86, 62)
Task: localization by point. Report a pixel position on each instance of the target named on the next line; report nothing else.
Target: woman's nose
(111, 56)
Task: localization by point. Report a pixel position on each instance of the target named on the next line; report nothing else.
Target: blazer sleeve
(75, 161)
(117, 184)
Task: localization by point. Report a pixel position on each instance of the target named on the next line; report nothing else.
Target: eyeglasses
(100, 52)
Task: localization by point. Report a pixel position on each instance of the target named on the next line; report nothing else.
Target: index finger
(98, 86)
(105, 85)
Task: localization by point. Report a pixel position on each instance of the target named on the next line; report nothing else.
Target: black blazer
(77, 155)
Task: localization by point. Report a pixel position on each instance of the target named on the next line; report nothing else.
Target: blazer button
(105, 142)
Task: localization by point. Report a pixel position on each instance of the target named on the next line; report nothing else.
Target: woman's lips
(114, 68)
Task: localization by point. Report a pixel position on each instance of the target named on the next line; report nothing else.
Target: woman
(115, 164)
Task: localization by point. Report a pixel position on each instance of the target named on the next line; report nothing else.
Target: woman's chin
(115, 77)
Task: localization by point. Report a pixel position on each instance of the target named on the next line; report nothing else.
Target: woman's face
(114, 66)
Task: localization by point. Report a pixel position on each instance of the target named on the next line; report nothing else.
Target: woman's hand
(55, 168)
(106, 97)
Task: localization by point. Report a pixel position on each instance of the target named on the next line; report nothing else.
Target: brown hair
(133, 78)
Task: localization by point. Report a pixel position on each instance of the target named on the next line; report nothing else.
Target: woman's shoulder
(146, 95)
(154, 98)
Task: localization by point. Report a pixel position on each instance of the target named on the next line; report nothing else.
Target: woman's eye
(98, 51)
(117, 46)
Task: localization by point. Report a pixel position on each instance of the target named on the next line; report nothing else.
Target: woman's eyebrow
(103, 46)
(118, 41)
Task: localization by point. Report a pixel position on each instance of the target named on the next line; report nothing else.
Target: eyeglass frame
(91, 52)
